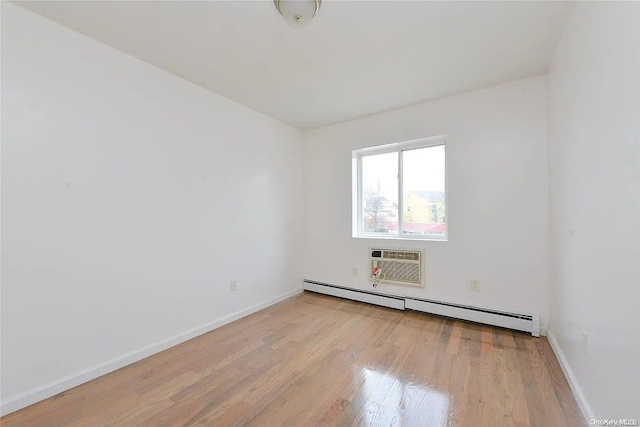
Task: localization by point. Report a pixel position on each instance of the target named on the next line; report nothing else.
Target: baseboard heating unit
(517, 321)
(375, 298)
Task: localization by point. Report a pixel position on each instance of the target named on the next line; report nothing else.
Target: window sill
(412, 238)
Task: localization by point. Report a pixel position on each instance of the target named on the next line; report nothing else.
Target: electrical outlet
(234, 285)
(585, 341)
(475, 285)
(354, 271)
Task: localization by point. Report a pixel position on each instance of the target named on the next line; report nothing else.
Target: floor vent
(518, 321)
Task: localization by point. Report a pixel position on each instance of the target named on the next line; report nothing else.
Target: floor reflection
(392, 401)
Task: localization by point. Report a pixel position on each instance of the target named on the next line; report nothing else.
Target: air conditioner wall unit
(397, 266)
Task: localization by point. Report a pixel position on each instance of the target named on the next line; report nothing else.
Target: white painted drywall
(130, 199)
(497, 198)
(594, 165)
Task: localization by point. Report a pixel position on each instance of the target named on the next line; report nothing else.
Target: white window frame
(399, 147)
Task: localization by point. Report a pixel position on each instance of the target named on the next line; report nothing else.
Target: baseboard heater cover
(517, 321)
(520, 322)
(354, 294)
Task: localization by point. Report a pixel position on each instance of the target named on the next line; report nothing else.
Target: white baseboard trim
(583, 403)
(52, 388)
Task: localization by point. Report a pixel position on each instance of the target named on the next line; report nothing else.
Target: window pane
(423, 188)
(380, 193)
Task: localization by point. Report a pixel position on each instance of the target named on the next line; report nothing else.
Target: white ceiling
(355, 58)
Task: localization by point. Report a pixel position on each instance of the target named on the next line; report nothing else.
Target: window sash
(399, 147)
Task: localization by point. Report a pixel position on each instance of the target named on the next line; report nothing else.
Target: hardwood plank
(533, 397)
(333, 413)
(319, 360)
(454, 340)
(560, 385)
(486, 345)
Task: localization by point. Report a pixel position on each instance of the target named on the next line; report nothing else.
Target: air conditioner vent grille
(413, 256)
(400, 271)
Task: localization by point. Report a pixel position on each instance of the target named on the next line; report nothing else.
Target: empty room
(320, 213)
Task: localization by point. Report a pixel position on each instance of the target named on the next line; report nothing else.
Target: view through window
(400, 190)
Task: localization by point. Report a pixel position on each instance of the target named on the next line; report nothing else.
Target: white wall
(594, 160)
(130, 199)
(497, 197)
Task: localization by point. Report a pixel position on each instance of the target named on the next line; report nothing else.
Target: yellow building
(424, 207)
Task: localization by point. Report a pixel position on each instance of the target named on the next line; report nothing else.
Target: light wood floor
(315, 360)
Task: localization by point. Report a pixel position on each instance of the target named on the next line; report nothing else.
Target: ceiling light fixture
(298, 13)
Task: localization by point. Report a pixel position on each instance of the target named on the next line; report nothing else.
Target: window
(399, 190)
